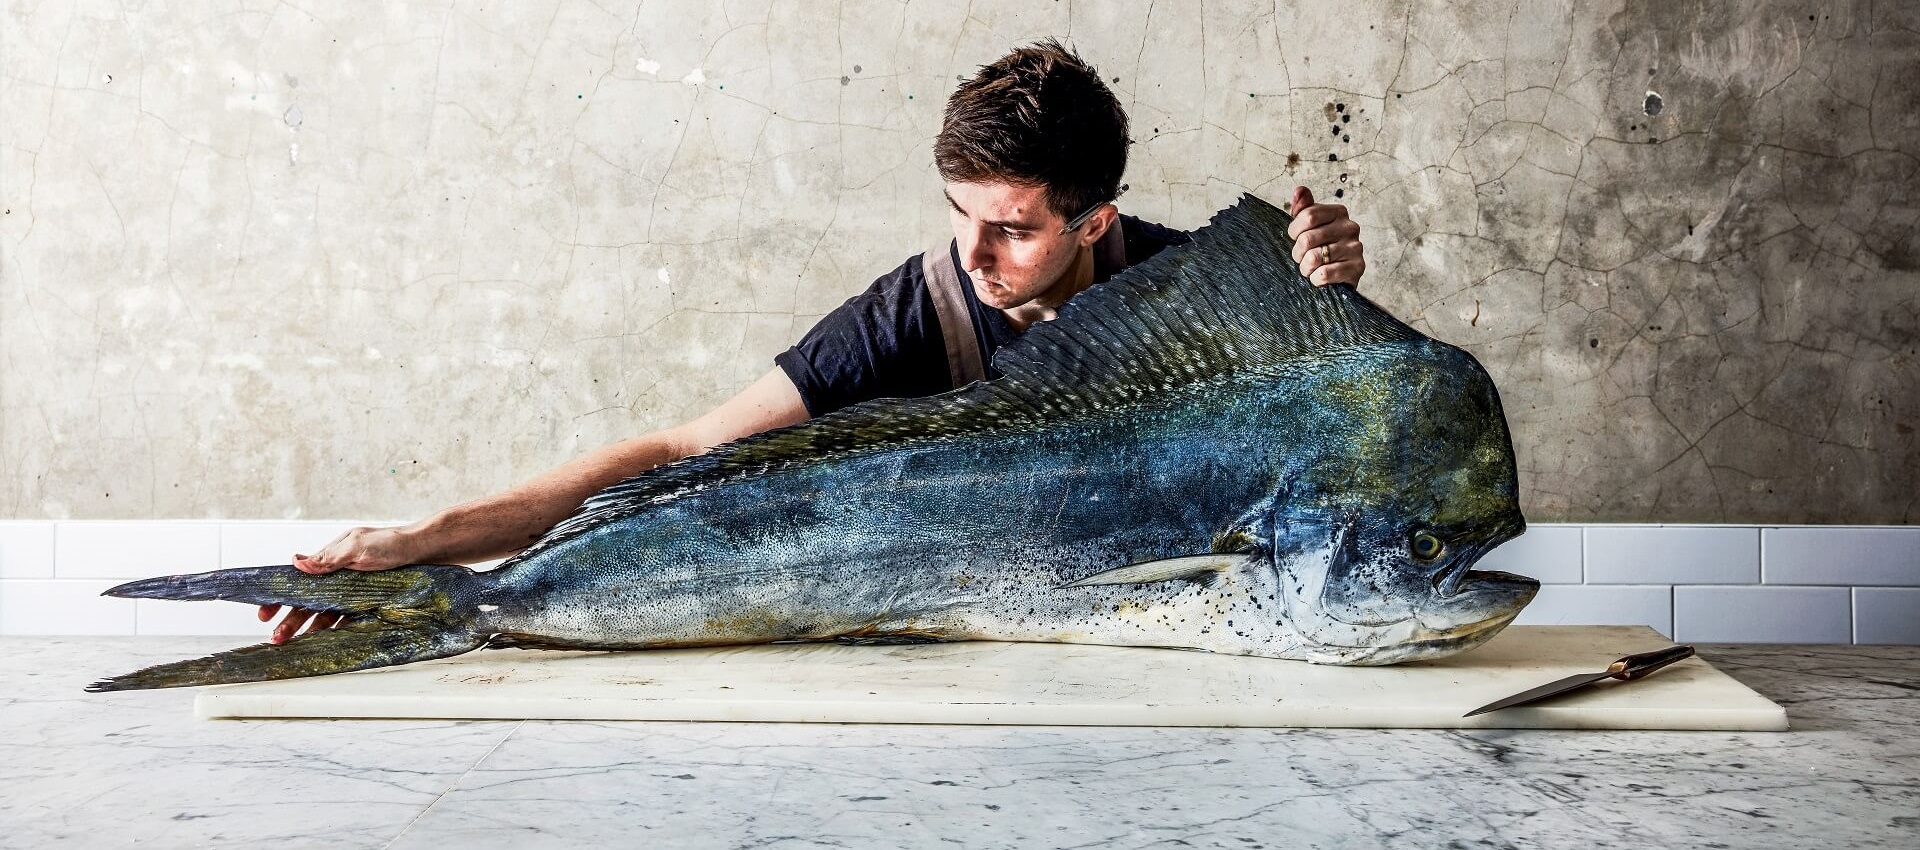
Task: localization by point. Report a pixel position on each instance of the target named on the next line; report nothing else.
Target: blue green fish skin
(975, 538)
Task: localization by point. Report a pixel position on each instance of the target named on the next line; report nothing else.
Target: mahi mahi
(1205, 452)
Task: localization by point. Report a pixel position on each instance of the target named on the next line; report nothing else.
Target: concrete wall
(269, 260)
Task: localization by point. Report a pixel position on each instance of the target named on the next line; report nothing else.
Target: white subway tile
(1763, 614)
(26, 549)
(1886, 615)
(62, 607)
(1832, 555)
(1550, 553)
(127, 550)
(1656, 554)
(260, 544)
(1589, 605)
(168, 617)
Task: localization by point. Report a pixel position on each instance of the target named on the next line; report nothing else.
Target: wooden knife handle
(1638, 666)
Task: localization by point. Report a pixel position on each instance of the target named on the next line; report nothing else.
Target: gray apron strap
(964, 363)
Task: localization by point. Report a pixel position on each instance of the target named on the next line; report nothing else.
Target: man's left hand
(1326, 243)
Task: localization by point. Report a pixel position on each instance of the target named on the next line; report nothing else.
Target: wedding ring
(1326, 254)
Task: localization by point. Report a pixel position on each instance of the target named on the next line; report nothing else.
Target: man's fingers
(1318, 215)
(1302, 198)
(1347, 272)
(311, 566)
(290, 626)
(1338, 235)
(323, 621)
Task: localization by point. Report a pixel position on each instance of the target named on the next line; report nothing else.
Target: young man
(1032, 150)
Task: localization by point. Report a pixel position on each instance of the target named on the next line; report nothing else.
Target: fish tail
(397, 616)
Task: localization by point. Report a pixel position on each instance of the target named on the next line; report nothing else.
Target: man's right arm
(499, 525)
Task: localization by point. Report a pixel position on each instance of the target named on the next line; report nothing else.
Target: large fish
(1206, 452)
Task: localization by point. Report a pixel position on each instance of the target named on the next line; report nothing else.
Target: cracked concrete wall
(265, 259)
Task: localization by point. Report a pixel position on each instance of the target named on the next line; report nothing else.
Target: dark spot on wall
(1654, 104)
(1593, 343)
(1339, 193)
(856, 69)
(1333, 157)
(1900, 257)
(845, 80)
(1293, 162)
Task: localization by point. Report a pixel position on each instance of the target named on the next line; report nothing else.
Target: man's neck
(1046, 306)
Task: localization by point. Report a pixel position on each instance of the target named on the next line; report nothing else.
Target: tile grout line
(452, 785)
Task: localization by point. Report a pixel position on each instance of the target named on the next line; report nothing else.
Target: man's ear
(1096, 225)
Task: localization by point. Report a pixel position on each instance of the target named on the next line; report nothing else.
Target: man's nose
(974, 253)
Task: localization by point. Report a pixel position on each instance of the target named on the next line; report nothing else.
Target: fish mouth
(1450, 580)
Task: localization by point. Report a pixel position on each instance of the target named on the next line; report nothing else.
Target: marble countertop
(137, 768)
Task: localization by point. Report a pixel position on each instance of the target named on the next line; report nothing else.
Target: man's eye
(1015, 235)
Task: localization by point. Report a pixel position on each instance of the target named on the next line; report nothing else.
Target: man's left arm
(1326, 243)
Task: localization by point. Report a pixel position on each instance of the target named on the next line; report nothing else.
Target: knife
(1627, 669)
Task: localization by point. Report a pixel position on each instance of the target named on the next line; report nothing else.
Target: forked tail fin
(399, 616)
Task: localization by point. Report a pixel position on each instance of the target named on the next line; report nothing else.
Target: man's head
(1029, 144)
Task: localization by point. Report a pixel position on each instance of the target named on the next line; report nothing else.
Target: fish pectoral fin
(1202, 569)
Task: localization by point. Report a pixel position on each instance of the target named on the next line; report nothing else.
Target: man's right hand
(365, 549)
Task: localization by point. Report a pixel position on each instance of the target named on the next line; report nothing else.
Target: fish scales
(1206, 452)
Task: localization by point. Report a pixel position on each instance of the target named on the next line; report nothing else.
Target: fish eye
(1427, 547)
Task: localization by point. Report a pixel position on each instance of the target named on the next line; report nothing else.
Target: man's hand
(1326, 243)
(365, 549)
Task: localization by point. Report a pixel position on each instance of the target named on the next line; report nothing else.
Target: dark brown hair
(1039, 116)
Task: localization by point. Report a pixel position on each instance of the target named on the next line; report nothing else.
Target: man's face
(1010, 241)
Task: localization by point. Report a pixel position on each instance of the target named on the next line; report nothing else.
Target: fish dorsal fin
(1231, 305)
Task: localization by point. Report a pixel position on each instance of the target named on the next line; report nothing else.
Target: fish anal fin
(514, 640)
(1201, 569)
(887, 640)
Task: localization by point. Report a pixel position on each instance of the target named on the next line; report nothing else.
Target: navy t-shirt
(886, 342)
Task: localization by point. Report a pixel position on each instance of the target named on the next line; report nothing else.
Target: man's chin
(997, 296)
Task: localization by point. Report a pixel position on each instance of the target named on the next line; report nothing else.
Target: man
(1032, 150)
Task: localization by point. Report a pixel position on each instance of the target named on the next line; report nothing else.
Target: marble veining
(128, 767)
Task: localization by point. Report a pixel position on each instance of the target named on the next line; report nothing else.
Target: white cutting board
(1030, 684)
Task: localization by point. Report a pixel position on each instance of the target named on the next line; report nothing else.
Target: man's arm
(504, 523)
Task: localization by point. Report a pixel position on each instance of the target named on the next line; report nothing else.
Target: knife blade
(1626, 669)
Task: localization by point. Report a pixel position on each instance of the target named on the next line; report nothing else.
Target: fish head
(1415, 481)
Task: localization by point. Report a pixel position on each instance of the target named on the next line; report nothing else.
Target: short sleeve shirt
(886, 342)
